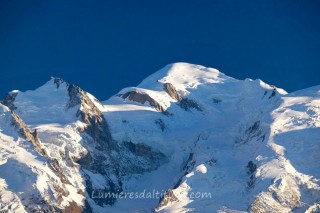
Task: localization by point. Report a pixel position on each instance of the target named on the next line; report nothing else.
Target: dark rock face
(57, 81)
(184, 103)
(211, 162)
(187, 167)
(9, 99)
(189, 164)
(97, 126)
(145, 159)
(273, 93)
(161, 124)
(89, 113)
(253, 128)
(129, 159)
(188, 104)
(142, 99)
(74, 96)
(216, 100)
(251, 169)
(253, 131)
(169, 88)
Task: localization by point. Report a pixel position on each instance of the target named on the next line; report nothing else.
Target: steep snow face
(187, 138)
(28, 181)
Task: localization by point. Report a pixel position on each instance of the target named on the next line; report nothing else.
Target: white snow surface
(248, 147)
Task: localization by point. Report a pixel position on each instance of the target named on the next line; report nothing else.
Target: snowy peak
(184, 130)
(191, 87)
(53, 100)
(184, 74)
(49, 101)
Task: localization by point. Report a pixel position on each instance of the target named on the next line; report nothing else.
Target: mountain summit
(186, 139)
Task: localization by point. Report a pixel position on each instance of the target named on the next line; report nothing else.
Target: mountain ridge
(182, 130)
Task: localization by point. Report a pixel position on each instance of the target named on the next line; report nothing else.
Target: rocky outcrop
(168, 198)
(314, 208)
(251, 169)
(172, 92)
(9, 99)
(74, 208)
(216, 100)
(253, 131)
(146, 159)
(55, 166)
(187, 167)
(265, 203)
(273, 93)
(142, 98)
(283, 194)
(188, 104)
(25, 132)
(97, 126)
(98, 141)
(57, 81)
(159, 122)
(89, 113)
(74, 93)
(184, 103)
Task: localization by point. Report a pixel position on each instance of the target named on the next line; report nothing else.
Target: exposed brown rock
(142, 98)
(73, 208)
(60, 192)
(54, 165)
(265, 203)
(169, 88)
(184, 103)
(25, 132)
(97, 127)
(167, 198)
(98, 157)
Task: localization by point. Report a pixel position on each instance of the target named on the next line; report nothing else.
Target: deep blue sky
(104, 46)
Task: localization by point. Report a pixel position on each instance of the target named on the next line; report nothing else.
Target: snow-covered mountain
(186, 139)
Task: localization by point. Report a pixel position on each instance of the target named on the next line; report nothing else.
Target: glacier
(184, 131)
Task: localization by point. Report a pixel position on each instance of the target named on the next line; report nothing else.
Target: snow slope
(209, 142)
(28, 181)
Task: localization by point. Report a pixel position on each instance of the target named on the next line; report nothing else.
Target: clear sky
(104, 46)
